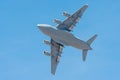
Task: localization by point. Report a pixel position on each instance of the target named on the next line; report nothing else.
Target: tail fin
(84, 52)
(92, 39)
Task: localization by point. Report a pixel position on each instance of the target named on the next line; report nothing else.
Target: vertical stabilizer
(84, 54)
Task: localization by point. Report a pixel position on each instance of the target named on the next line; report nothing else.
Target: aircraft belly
(66, 38)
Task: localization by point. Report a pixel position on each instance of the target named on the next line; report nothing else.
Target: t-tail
(84, 51)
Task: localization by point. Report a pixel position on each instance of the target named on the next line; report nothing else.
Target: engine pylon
(47, 42)
(57, 21)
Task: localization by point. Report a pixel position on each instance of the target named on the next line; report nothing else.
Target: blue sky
(21, 42)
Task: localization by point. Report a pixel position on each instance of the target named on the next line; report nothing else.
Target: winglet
(86, 5)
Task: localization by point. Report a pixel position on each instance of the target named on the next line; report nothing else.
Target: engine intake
(47, 53)
(66, 14)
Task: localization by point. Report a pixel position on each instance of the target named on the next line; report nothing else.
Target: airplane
(61, 36)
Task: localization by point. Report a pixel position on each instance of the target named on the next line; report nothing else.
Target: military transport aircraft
(61, 36)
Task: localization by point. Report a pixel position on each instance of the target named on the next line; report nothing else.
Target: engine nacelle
(66, 14)
(57, 21)
(47, 53)
(47, 42)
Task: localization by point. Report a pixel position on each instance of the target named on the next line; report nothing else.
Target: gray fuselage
(63, 37)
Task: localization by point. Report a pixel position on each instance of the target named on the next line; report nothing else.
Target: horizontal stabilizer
(91, 39)
(84, 54)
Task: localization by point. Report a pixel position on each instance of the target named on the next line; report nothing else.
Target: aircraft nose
(41, 27)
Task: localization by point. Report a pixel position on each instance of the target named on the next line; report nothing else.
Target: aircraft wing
(56, 50)
(70, 22)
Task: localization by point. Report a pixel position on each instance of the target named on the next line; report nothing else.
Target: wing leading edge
(56, 50)
(70, 22)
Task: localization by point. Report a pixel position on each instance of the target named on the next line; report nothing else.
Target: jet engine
(47, 53)
(57, 21)
(66, 14)
(47, 42)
